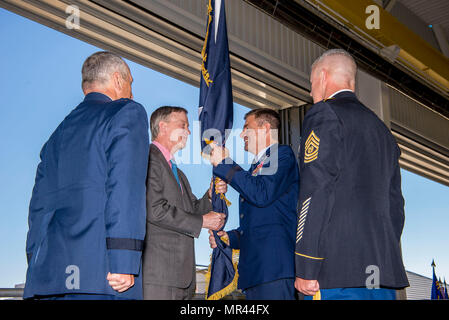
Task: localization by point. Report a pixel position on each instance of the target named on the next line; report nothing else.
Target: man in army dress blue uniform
(350, 209)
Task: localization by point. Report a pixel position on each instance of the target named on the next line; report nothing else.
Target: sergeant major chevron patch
(311, 147)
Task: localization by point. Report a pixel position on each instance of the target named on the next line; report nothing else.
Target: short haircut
(162, 114)
(265, 115)
(99, 67)
(338, 52)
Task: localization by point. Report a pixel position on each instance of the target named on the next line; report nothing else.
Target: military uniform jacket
(87, 211)
(350, 209)
(267, 205)
(174, 219)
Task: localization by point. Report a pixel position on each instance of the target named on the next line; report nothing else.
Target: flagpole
(437, 286)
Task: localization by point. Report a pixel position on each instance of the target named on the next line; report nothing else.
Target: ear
(267, 127)
(118, 81)
(162, 127)
(323, 74)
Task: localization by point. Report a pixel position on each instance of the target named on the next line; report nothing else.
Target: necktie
(174, 168)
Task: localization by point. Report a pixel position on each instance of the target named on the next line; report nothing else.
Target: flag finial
(433, 264)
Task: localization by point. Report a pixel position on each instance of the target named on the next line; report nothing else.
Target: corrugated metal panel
(415, 22)
(418, 119)
(420, 287)
(422, 135)
(431, 11)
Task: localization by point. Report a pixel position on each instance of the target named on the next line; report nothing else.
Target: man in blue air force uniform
(268, 198)
(87, 212)
(350, 209)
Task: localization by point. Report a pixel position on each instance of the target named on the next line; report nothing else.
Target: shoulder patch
(311, 147)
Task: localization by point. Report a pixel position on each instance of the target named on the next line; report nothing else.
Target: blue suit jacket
(268, 198)
(87, 212)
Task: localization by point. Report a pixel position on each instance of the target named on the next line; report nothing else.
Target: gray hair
(99, 67)
(162, 114)
(341, 53)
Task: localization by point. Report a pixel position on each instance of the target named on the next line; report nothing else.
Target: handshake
(214, 220)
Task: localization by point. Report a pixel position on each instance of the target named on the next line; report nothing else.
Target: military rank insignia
(257, 169)
(311, 148)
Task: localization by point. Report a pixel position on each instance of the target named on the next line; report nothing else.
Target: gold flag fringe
(230, 287)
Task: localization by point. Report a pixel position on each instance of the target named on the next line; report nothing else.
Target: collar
(337, 92)
(165, 152)
(97, 96)
(262, 153)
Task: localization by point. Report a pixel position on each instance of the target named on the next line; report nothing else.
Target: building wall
(420, 287)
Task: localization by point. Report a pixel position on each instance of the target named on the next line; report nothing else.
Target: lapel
(180, 199)
(186, 201)
(160, 157)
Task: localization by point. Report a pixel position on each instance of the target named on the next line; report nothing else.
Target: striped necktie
(174, 168)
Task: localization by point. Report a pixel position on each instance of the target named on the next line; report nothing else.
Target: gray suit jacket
(174, 218)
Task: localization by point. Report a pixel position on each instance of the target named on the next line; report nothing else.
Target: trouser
(282, 289)
(159, 292)
(354, 294)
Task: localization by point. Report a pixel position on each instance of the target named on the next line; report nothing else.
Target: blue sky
(40, 85)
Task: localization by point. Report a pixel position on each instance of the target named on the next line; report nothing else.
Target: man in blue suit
(351, 209)
(87, 212)
(268, 197)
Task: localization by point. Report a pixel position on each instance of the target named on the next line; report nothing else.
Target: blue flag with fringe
(216, 116)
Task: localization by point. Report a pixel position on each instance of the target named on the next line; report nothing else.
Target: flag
(441, 288)
(216, 106)
(216, 115)
(446, 294)
(436, 290)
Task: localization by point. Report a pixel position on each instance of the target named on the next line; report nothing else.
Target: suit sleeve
(165, 214)
(265, 188)
(321, 149)
(200, 206)
(127, 146)
(35, 208)
(234, 238)
(203, 205)
(397, 201)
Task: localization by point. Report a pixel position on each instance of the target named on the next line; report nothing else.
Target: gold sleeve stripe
(310, 257)
(302, 219)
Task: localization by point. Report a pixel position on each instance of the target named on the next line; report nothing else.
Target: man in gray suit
(174, 215)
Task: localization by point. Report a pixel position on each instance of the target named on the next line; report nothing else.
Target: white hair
(350, 66)
(99, 67)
